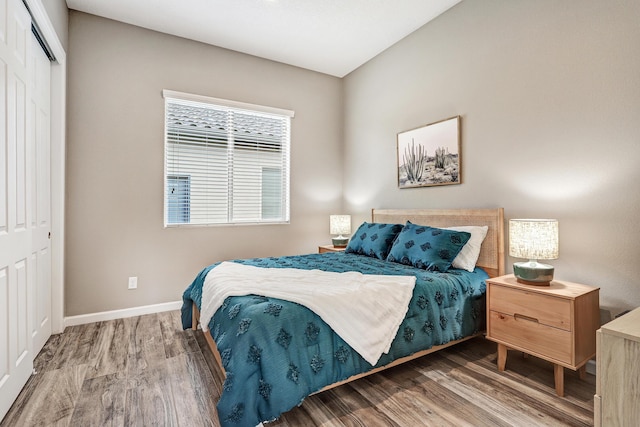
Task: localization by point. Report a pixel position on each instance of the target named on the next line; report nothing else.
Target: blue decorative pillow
(427, 247)
(373, 239)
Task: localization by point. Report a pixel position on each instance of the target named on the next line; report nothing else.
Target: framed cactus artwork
(430, 155)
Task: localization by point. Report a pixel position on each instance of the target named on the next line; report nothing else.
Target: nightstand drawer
(330, 248)
(531, 336)
(546, 309)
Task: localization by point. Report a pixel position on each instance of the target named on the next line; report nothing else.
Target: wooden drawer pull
(523, 317)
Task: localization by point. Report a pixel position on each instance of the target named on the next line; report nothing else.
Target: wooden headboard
(492, 252)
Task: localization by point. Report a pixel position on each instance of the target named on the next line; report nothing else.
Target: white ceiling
(330, 36)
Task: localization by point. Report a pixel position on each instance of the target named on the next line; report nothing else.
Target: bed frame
(491, 259)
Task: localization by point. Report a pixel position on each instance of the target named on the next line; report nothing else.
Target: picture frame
(430, 155)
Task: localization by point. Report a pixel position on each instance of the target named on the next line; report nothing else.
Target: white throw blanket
(364, 310)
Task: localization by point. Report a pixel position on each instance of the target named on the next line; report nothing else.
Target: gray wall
(115, 161)
(59, 16)
(549, 96)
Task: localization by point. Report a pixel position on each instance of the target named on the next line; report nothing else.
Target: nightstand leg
(502, 357)
(558, 375)
(582, 371)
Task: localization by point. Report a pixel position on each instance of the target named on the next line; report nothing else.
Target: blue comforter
(276, 352)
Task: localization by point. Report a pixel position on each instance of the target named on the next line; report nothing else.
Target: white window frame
(174, 97)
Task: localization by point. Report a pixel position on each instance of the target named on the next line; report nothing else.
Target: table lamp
(340, 224)
(533, 239)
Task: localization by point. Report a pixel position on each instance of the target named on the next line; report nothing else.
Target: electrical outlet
(133, 282)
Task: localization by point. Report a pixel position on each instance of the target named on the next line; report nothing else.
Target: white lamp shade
(340, 224)
(533, 238)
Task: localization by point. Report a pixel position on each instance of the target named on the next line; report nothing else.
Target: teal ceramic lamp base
(340, 241)
(533, 273)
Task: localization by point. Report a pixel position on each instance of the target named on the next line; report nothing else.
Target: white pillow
(470, 252)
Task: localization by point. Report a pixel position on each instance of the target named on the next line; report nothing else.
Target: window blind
(225, 164)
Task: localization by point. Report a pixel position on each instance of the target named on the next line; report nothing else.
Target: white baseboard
(591, 367)
(120, 314)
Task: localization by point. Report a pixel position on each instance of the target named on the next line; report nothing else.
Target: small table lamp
(340, 224)
(533, 239)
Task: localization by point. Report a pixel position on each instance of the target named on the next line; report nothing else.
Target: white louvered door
(25, 259)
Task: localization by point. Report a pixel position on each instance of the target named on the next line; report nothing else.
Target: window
(271, 193)
(178, 204)
(225, 162)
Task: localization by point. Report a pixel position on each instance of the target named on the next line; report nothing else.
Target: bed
(275, 351)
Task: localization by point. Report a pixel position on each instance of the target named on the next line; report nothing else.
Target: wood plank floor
(145, 371)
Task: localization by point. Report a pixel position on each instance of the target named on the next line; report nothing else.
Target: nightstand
(330, 248)
(556, 323)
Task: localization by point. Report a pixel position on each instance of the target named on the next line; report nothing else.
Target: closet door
(25, 296)
(39, 190)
